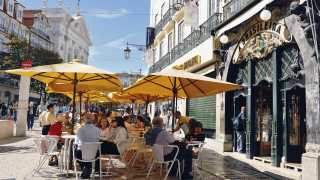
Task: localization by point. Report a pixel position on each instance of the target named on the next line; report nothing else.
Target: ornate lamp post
(127, 50)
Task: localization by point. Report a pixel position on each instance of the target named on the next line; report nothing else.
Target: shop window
(294, 112)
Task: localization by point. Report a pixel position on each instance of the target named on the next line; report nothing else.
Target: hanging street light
(127, 50)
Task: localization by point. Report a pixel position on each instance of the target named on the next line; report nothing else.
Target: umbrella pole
(80, 101)
(146, 109)
(74, 101)
(174, 92)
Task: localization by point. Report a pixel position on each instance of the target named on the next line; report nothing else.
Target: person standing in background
(47, 119)
(239, 124)
(31, 113)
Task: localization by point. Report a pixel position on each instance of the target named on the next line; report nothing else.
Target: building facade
(69, 34)
(39, 29)
(11, 24)
(269, 47)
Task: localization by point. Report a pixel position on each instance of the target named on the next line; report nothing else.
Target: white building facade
(179, 44)
(69, 34)
(39, 29)
(11, 14)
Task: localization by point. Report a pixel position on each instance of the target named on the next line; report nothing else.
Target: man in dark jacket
(239, 125)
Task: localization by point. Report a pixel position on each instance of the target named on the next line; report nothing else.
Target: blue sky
(111, 24)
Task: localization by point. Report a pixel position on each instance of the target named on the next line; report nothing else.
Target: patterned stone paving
(18, 157)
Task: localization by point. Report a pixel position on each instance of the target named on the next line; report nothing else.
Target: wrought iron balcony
(167, 17)
(234, 7)
(164, 20)
(197, 37)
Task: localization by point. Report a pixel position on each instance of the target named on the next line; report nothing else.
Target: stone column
(310, 159)
(24, 91)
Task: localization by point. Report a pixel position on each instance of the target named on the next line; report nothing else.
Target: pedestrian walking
(31, 114)
(15, 109)
(239, 125)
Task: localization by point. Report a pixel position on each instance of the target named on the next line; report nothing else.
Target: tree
(19, 50)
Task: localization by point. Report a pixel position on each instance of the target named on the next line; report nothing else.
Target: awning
(248, 14)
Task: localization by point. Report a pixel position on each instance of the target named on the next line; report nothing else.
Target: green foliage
(20, 50)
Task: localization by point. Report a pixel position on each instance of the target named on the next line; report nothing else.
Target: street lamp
(265, 15)
(127, 50)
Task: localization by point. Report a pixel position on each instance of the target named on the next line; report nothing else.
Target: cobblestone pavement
(18, 157)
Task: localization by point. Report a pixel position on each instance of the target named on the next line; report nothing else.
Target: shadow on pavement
(12, 140)
(15, 149)
(226, 167)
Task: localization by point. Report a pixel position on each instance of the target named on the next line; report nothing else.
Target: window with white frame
(1, 4)
(10, 7)
(155, 19)
(154, 52)
(162, 10)
(170, 41)
(161, 49)
(213, 7)
(180, 32)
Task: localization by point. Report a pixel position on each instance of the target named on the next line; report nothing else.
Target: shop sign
(260, 40)
(196, 60)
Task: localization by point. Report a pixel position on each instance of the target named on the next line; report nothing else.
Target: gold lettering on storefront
(196, 60)
(260, 40)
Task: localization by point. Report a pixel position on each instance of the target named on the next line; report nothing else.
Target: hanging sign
(260, 40)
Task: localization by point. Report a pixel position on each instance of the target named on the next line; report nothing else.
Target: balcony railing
(167, 17)
(230, 10)
(235, 6)
(164, 20)
(193, 40)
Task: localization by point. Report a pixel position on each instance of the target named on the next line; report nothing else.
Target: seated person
(165, 138)
(182, 123)
(86, 134)
(196, 131)
(117, 137)
(104, 127)
(127, 123)
(140, 123)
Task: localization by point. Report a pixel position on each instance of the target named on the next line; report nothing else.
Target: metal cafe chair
(89, 155)
(158, 153)
(46, 146)
(112, 157)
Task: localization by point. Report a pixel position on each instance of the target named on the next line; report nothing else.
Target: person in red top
(56, 129)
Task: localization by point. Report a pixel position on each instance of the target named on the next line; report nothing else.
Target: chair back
(89, 150)
(158, 152)
(45, 144)
(122, 146)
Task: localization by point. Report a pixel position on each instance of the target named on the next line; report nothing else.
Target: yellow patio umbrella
(177, 83)
(121, 97)
(146, 98)
(73, 75)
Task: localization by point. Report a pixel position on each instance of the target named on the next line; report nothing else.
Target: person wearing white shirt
(86, 134)
(115, 141)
